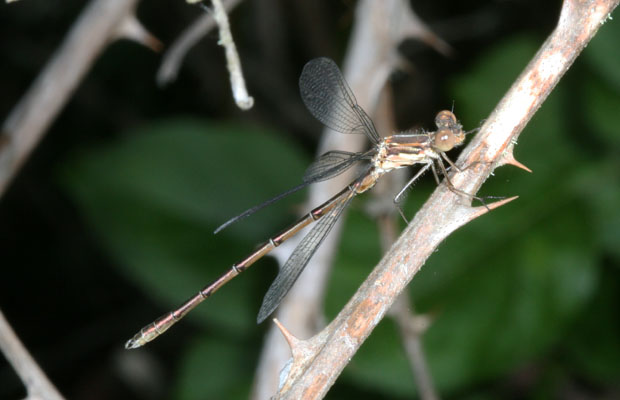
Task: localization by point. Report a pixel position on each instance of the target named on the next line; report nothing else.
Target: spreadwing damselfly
(330, 100)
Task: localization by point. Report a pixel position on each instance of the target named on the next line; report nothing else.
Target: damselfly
(329, 99)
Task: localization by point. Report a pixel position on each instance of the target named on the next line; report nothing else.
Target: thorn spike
(498, 203)
(510, 159)
(290, 339)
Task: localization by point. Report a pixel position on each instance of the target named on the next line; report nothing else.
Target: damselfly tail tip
(139, 340)
(133, 343)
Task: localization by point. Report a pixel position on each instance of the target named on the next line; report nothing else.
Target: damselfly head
(444, 140)
(446, 119)
(449, 132)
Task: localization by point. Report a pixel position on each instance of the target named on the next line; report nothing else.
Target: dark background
(109, 223)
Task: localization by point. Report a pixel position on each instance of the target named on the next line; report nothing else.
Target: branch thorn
(133, 29)
(481, 210)
(292, 341)
(510, 159)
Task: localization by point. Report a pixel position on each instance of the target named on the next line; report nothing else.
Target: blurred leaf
(601, 105)
(213, 369)
(357, 254)
(512, 302)
(598, 185)
(598, 182)
(477, 93)
(381, 363)
(593, 344)
(602, 53)
(156, 196)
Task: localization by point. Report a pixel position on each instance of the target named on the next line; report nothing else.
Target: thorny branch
(318, 361)
(100, 23)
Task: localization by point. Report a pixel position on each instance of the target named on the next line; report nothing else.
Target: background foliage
(110, 223)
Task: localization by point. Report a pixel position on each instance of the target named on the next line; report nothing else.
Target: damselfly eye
(445, 119)
(444, 139)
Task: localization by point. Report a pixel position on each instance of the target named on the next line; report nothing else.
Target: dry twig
(411, 327)
(173, 57)
(100, 23)
(34, 379)
(240, 93)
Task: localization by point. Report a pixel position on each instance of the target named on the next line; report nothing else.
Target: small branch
(412, 26)
(411, 328)
(327, 353)
(34, 379)
(173, 57)
(30, 118)
(240, 93)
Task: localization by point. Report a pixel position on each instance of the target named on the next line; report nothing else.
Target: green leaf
(214, 369)
(602, 53)
(601, 105)
(593, 346)
(511, 303)
(156, 195)
(357, 254)
(381, 363)
(477, 93)
(597, 185)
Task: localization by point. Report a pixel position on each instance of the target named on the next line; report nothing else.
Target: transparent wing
(333, 163)
(325, 167)
(258, 207)
(298, 260)
(328, 97)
